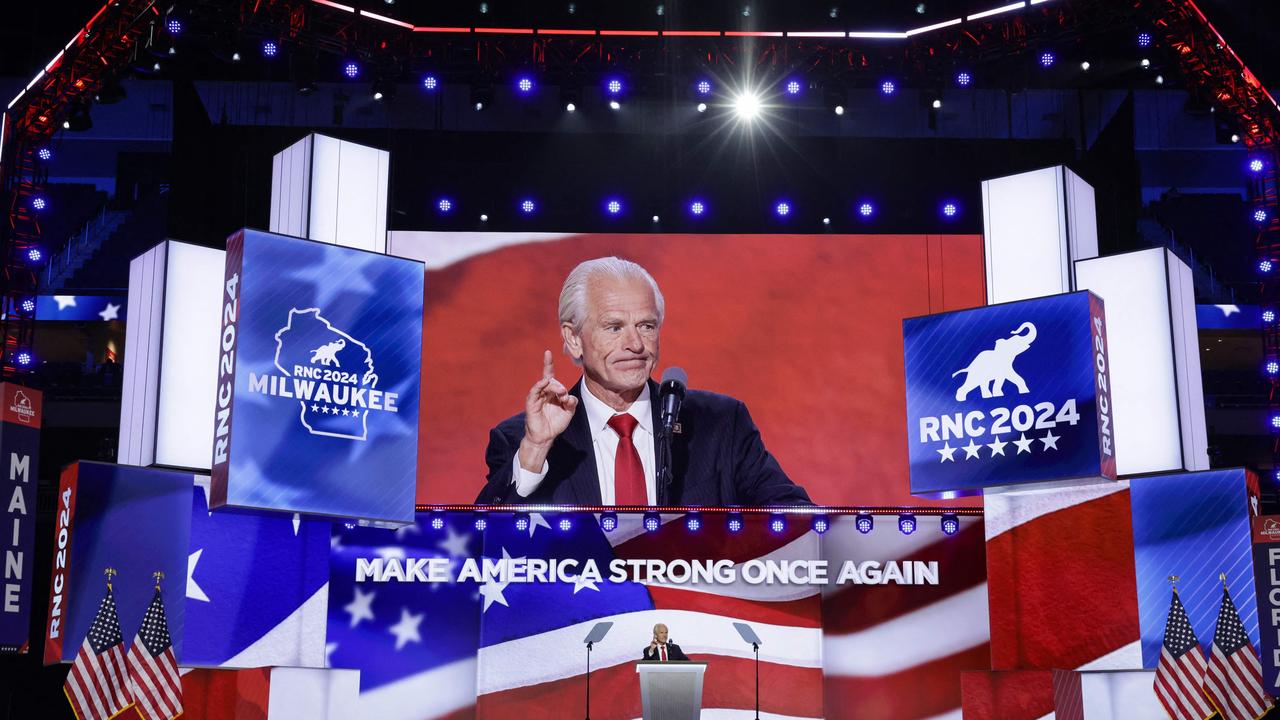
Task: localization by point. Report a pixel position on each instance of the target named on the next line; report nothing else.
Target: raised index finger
(548, 371)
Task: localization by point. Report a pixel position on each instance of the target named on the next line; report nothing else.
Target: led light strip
(806, 510)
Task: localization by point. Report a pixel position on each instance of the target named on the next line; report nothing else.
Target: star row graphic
(1023, 445)
(332, 410)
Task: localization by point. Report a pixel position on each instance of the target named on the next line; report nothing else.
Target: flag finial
(158, 575)
(110, 573)
(1223, 577)
(1173, 580)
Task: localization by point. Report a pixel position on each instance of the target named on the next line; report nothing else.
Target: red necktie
(662, 650)
(628, 474)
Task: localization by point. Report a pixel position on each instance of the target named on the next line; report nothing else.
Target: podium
(671, 690)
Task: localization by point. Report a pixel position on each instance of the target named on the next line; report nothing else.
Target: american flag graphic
(97, 684)
(1180, 674)
(1234, 678)
(462, 650)
(153, 670)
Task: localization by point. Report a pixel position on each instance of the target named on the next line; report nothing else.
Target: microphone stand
(664, 466)
(589, 680)
(756, 648)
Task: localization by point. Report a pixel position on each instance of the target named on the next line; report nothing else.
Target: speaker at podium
(671, 690)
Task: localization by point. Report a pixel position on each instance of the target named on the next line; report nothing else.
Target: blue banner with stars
(317, 407)
(1011, 393)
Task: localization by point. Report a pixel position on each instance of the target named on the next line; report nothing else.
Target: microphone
(671, 395)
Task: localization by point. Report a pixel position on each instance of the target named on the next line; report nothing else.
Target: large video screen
(804, 330)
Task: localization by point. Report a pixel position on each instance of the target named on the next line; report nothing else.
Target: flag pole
(110, 573)
(158, 575)
(1173, 580)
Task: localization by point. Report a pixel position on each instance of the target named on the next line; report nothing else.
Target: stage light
(834, 12)
(1255, 165)
(1146, 63)
(693, 522)
(351, 69)
(481, 95)
(484, 218)
(484, 8)
(950, 209)
(703, 87)
(1275, 419)
(920, 8)
(793, 87)
(235, 56)
(522, 522)
(865, 523)
(746, 105)
(702, 107)
(155, 67)
(524, 84)
(565, 524)
(866, 209)
(697, 208)
(950, 524)
(444, 205)
(608, 521)
(660, 10)
(826, 221)
(78, 119)
(778, 523)
(23, 358)
(1144, 39)
(838, 110)
(383, 89)
(28, 306)
(481, 522)
(1259, 215)
(38, 203)
(888, 87)
(1160, 79)
(906, 524)
(527, 207)
(615, 105)
(573, 8)
(270, 48)
(937, 104)
(652, 521)
(1273, 367)
(570, 107)
(45, 154)
(1085, 65)
(656, 219)
(613, 86)
(1047, 59)
(34, 255)
(1264, 266)
(964, 79)
(1235, 138)
(734, 522)
(820, 524)
(613, 207)
(746, 11)
(430, 82)
(1268, 316)
(437, 521)
(174, 26)
(782, 209)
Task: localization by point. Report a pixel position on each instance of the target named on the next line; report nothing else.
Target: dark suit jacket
(718, 458)
(673, 653)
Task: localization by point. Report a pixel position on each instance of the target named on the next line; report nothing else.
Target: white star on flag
(1050, 440)
(455, 544)
(580, 582)
(65, 301)
(997, 446)
(297, 523)
(404, 530)
(406, 631)
(194, 591)
(947, 452)
(111, 312)
(1227, 310)
(360, 608)
(328, 653)
(536, 520)
(390, 552)
(492, 588)
(1023, 443)
(971, 450)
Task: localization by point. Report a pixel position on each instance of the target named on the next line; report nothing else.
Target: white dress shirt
(604, 440)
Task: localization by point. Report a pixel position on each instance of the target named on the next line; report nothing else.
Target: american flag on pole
(153, 670)
(1180, 674)
(1234, 678)
(97, 686)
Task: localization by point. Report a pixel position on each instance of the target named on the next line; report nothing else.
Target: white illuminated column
(1035, 225)
(1157, 389)
(331, 191)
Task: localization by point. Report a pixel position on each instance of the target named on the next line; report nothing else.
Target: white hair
(573, 296)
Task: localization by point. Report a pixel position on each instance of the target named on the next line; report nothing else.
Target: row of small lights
(698, 208)
(734, 523)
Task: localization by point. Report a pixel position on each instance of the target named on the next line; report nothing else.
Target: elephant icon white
(991, 369)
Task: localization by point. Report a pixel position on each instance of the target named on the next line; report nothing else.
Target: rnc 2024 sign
(1011, 393)
(318, 374)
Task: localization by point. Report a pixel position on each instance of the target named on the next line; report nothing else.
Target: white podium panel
(671, 690)
(331, 191)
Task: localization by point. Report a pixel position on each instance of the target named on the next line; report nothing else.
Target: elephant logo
(991, 369)
(327, 354)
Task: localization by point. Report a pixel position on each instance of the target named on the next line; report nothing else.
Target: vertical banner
(1266, 577)
(19, 458)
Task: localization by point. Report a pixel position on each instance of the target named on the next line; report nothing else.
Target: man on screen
(660, 649)
(594, 443)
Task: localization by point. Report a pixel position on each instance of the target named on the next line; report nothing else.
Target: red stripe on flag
(857, 607)
(925, 690)
(805, 612)
(784, 690)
